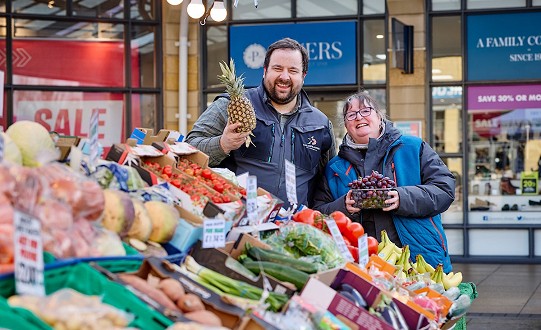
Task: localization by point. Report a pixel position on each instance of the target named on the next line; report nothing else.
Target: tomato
(353, 232)
(354, 252)
(176, 182)
(206, 173)
(189, 171)
(307, 216)
(342, 221)
(167, 170)
(372, 245)
(356, 229)
(219, 187)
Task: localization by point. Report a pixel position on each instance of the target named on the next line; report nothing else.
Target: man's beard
(276, 98)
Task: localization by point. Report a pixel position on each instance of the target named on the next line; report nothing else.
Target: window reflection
(311, 8)
(266, 9)
(479, 4)
(447, 119)
(446, 49)
(374, 57)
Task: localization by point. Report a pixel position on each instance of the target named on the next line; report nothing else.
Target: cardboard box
(230, 315)
(220, 261)
(324, 297)
(145, 135)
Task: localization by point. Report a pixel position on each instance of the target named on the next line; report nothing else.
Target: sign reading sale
(73, 117)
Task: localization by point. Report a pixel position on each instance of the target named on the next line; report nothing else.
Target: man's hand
(230, 140)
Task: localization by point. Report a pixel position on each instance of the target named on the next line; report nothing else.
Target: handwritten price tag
(251, 199)
(339, 240)
(363, 249)
(291, 182)
(29, 277)
(213, 233)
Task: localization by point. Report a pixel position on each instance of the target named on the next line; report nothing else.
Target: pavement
(509, 296)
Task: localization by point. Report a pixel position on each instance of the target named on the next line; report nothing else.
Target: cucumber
(282, 259)
(279, 271)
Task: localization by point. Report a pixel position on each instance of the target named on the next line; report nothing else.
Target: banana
(397, 249)
(437, 277)
(384, 240)
(386, 251)
(451, 280)
(419, 265)
(425, 265)
(392, 258)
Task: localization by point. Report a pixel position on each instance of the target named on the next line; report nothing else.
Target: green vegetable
(280, 258)
(233, 287)
(278, 271)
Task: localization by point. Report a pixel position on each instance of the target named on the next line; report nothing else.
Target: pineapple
(239, 109)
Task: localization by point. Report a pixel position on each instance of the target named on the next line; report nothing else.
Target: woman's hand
(393, 202)
(349, 204)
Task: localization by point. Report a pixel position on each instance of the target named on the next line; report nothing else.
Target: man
(288, 127)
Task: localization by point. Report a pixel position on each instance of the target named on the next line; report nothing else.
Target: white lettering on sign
(324, 50)
(73, 117)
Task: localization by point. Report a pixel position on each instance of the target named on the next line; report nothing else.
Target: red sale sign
(73, 117)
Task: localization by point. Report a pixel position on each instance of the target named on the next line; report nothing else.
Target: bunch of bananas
(400, 257)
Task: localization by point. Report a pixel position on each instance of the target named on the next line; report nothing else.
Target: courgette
(279, 271)
(282, 259)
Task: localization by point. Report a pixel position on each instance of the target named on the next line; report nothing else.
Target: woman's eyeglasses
(364, 112)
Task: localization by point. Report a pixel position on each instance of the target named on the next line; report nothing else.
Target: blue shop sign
(332, 49)
(504, 46)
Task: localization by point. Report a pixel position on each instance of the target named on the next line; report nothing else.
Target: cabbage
(12, 153)
(36, 145)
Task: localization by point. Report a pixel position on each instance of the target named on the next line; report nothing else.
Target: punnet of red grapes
(370, 192)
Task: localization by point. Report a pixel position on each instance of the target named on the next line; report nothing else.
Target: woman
(425, 186)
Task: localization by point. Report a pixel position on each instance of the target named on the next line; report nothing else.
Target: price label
(29, 277)
(291, 182)
(529, 183)
(251, 199)
(93, 139)
(213, 233)
(362, 243)
(339, 240)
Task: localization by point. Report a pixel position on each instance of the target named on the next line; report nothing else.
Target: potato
(172, 288)
(204, 317)
(190, 303)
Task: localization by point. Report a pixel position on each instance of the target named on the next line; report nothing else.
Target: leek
(234, 287)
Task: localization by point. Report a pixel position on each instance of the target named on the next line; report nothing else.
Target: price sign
(291, 182)
(213, 233)
(29, 277)
(362, 243)
(93, 139)
(251, 199)
(339, 240)
(529, 183)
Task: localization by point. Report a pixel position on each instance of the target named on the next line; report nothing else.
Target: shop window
(68, 113)
(314, 8)
(536, 3)
(216, 53)
(445, 4)
(144, 54)
(266, 9)
(144, 112)
(537, 238)
(483, 4)
(101, 9)
(37, 7)
(498, 242)
(142, 9)
(455, 241)
(504, 146)
(374, 56)
(446, 41)
(373, 7)
(454, 214)
(447, 119)
(76, 59)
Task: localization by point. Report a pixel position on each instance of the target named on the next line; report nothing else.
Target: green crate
(85, 279)
(19, 318)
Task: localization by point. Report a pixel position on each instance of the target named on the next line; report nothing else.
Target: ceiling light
(436, 71)
(442, 77)
(218, 11)
(381, 56)
(379, 36)
(174, 2)
(196, 9)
